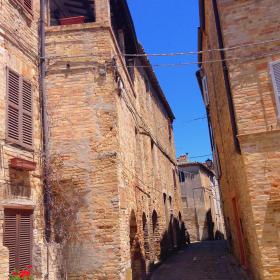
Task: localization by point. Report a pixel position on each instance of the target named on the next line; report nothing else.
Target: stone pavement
(200, 261)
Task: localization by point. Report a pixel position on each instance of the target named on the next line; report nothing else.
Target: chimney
(183, 158)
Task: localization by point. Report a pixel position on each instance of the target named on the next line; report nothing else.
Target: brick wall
(104, 136)
(252, 176)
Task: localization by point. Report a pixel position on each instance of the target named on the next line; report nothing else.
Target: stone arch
(146, 236)
(156, 235)
(137, 259)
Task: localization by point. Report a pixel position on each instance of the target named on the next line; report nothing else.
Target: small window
(68, 12)
(275, 74)
(174, 179)
(147, 84)
(205, 91)
(182, 176)
(18, 237)
(216, 160)
(170, 129)
(19, 110)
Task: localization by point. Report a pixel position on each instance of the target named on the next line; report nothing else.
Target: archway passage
(137, 259)
(146, 237)
(156, 236)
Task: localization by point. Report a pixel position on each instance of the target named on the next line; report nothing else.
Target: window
(216, 160)
(275, 74)
(68, 12)
(174, 179)
(19, 111)
(182, 176)
(147, 84)
(205, 91)
(18, 237)
(170, 129)
(26, 4)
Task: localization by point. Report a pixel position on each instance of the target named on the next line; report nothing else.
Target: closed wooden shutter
(13, 120)
(275, 73)
(27, 125)
(20, 115)
(18, 237)
(28, 4)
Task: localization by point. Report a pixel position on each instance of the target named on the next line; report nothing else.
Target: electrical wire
(205, 51)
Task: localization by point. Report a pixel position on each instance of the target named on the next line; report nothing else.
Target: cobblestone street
(201, 261)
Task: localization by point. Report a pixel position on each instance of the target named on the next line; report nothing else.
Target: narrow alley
(201, 261)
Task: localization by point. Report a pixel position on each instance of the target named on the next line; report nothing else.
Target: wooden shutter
(25, 239)
(10, 236)
(275, 73)
(18, 237)
(28, 4)
(27, 123)
(20, 111)
(13, 119)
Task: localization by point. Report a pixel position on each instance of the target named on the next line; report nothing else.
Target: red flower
(24, 273)
(29, 267)
(14, 273)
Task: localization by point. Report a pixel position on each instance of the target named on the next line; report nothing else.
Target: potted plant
(72, 20)
(25, 274)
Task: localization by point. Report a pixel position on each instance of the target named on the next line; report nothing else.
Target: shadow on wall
(208, 229)
(144, 258)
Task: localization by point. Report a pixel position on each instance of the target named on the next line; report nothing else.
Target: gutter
(44, 119)
(226, 76)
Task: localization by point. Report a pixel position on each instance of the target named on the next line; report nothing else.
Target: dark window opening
(66, 12)
(124, 33)
(182, 176)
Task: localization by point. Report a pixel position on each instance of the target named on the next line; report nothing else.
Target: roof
(199, 164)
(145, 61)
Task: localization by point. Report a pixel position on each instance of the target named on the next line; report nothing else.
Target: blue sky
(164, 26)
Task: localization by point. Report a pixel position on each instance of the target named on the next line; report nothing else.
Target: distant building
(201, 200)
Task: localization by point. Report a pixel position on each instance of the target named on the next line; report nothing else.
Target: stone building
(240, 83)
(106, 145)
(200, 194)
(21, 189)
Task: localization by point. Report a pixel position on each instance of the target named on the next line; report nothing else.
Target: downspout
(226, 75)
(45, 131)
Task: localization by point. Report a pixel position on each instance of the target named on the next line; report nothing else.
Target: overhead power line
(205, 51)
(201, 156)
(182, 64)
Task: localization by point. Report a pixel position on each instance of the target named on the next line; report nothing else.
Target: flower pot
(72, 20)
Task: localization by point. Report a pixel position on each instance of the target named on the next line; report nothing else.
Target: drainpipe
(226, 75)
(45, 129)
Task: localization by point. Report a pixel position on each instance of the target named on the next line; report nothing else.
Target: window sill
(19, 147)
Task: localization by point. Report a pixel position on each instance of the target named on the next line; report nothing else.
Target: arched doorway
(137, 259)
(156, 236)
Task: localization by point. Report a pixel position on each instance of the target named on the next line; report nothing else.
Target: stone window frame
(276, 83)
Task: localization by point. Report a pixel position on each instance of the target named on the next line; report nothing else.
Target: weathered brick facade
(113, 165)
(249, 155)
(111, 126)
(20, 189)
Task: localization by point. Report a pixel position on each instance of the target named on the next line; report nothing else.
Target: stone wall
(252, 176)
